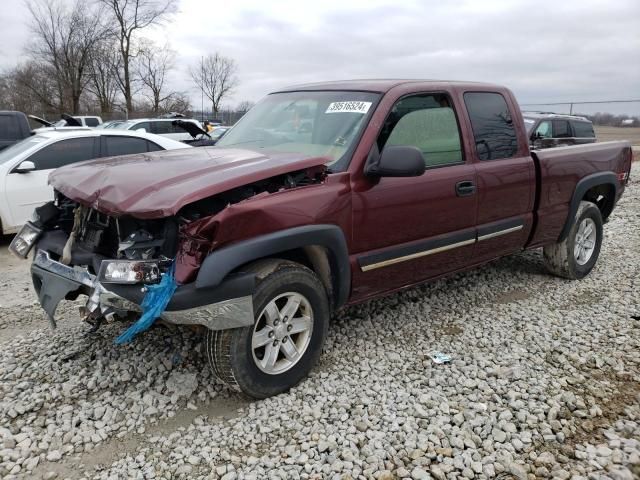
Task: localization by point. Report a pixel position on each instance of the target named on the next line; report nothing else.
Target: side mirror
(25, 167)
(397, 161)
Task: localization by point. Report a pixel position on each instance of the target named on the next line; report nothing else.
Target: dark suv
(547, 130)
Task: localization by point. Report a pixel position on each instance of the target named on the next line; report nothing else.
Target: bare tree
(245, 106)
(16, 96)
(216, 76)
(177, 102)
(153, 65)
(103, 73)
(131, 16)
(35, 88)
(63, 38)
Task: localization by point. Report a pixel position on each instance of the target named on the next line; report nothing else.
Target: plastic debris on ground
(440, 358)
(154, 303)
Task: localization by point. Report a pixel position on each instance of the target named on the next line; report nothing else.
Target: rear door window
(124, 145)
(153, 147)
(64, 152)
(561, 129)
(138, 126)
(583, 130)
(177, 129)
(91, 122)
(492, 124)
(161, 128)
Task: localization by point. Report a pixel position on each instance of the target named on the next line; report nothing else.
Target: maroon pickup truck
(322, 196)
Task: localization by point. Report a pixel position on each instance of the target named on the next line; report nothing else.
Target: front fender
(219, 263)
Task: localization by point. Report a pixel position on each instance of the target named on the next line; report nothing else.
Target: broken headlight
(129, 271)
(24, 241)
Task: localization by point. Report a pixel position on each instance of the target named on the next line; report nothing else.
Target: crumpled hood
(158, 184)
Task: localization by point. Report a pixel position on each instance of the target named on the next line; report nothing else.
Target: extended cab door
(505, 174)
(409, 229)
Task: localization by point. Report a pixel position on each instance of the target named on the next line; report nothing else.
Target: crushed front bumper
(227, 305)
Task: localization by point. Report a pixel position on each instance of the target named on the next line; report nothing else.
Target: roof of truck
(380, 85)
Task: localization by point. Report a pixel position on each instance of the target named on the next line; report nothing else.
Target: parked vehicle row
(160, 126)
(67, 120)
(14, 126)
(321, 196)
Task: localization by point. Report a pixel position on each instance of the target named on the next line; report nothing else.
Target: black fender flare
(220, 263)
(583, 185)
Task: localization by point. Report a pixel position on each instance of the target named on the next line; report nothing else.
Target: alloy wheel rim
(282, 333)
(585, 243)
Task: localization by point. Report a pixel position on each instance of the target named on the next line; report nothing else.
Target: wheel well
(604, 198)
(316, 258)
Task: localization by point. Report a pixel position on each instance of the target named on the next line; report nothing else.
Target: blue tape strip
(153, 304)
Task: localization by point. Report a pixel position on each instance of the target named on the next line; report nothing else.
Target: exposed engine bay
(130, 238)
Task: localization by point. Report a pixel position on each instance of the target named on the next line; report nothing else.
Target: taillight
(623, 176)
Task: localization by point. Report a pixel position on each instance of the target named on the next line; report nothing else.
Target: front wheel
(291, 322)
(577, 254)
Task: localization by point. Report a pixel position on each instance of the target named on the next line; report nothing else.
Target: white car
(25, 166)
(160, 126)
(89, 120)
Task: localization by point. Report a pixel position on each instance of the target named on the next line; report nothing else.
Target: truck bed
(560, 169)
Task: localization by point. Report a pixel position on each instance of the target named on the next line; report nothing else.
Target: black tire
(560, 259)
(230, 352)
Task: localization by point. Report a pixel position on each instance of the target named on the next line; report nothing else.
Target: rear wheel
(577, 254)
(291, 322)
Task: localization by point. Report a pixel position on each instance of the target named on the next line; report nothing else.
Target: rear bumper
(227, 305)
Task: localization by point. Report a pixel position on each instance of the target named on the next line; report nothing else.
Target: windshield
(528, 124)
(323, 124)
(127, 125)
(16, 149)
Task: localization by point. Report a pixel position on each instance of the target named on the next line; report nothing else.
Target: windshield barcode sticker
(348, 107)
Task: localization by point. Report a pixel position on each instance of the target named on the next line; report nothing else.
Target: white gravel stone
(54, 456)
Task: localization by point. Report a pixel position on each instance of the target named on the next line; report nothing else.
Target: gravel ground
(544, 383)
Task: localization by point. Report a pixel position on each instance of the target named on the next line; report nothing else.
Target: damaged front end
(120, 262)
(115, 262)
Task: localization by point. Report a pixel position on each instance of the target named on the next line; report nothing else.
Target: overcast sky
(543, 50)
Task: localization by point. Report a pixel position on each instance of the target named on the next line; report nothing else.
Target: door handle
(465, 188)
